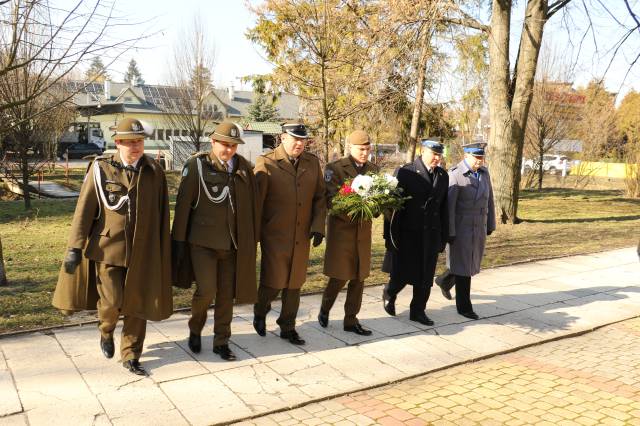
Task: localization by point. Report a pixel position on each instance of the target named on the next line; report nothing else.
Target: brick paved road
(586, 380)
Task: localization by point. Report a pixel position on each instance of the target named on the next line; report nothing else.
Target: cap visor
(226, 139)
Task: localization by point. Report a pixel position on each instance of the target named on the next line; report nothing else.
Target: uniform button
(299, 204)
(296, 243)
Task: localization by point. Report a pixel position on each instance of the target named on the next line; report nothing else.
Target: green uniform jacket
(109, 237)
(348, 252)
(292, 205)
(202, 222)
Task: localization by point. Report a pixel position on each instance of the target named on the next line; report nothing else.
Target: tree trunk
(3, 273)
(26, 191)
(417, 107)
(325, 115)
(509, 100)
(540, 170)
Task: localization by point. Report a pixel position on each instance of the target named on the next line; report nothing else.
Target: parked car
(78, 150)
(551, 164)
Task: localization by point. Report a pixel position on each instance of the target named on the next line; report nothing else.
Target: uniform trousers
(422, 291)
(290, 304)
(463, 294)
(351, 305)
(110, 285)
(215, 272)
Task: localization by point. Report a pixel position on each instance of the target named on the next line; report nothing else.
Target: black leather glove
(317, 238)
(451, 239)
(179, 249)
(72, 260)
(489, 233)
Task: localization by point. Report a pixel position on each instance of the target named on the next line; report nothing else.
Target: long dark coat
(416, 234)
(348, 252)
(292, 205)
(103, 237)
(471, 217)
(197, 220)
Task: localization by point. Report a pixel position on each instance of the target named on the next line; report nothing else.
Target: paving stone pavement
(60, 377)
(592, 379)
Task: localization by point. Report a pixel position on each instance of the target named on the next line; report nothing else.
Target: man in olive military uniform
(215, 225)
(348, 253)
(121, 225)
(416, 234)
(293, 211)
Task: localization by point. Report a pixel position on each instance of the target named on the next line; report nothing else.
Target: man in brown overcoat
(293, 211)
(214, 234)
(121, 226)
(348, 253)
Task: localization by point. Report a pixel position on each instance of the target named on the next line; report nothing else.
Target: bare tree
(191, 106)
(554, 113)
(40, 46)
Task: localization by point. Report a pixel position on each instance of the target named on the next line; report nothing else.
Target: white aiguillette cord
(97, 181)
(217, 200)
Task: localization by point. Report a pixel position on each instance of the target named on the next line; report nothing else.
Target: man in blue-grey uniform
(471, 220)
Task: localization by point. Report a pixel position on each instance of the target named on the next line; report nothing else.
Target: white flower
(386, 191)
(362, 184)
(391, 180)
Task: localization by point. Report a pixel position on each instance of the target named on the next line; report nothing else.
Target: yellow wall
(611, 170)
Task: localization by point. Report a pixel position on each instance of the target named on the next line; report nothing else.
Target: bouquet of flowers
(367, 196)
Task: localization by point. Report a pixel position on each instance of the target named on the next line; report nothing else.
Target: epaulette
(200, 154)
(103, 157)
(265, 154)
(310, 153)
(453, 168)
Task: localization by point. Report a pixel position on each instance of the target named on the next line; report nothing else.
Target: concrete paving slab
(203, 400)
(10, 402)
(51, 389)
(520, 305)
(14, 420)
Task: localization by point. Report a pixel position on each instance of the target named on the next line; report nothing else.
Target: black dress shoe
(133, 365)
(421, 317)
(106, 344)
(358, 329)
(194, 343)
(389, 303)
(293, 337)
(259, 323)
(224, 352)
(323, 319)
(471, 315)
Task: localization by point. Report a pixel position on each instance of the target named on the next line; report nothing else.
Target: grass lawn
(557, 222)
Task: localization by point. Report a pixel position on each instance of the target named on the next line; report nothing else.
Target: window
(160, 134)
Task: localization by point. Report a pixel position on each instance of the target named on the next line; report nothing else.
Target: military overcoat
(200, 221)
(417, 233)
(105, 236)
(292, 205)
(471, 218)
(348, 250)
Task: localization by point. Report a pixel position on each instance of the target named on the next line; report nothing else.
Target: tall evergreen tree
(133, 76)
(97, 71)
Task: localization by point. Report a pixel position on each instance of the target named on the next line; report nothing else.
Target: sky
(228, 20)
